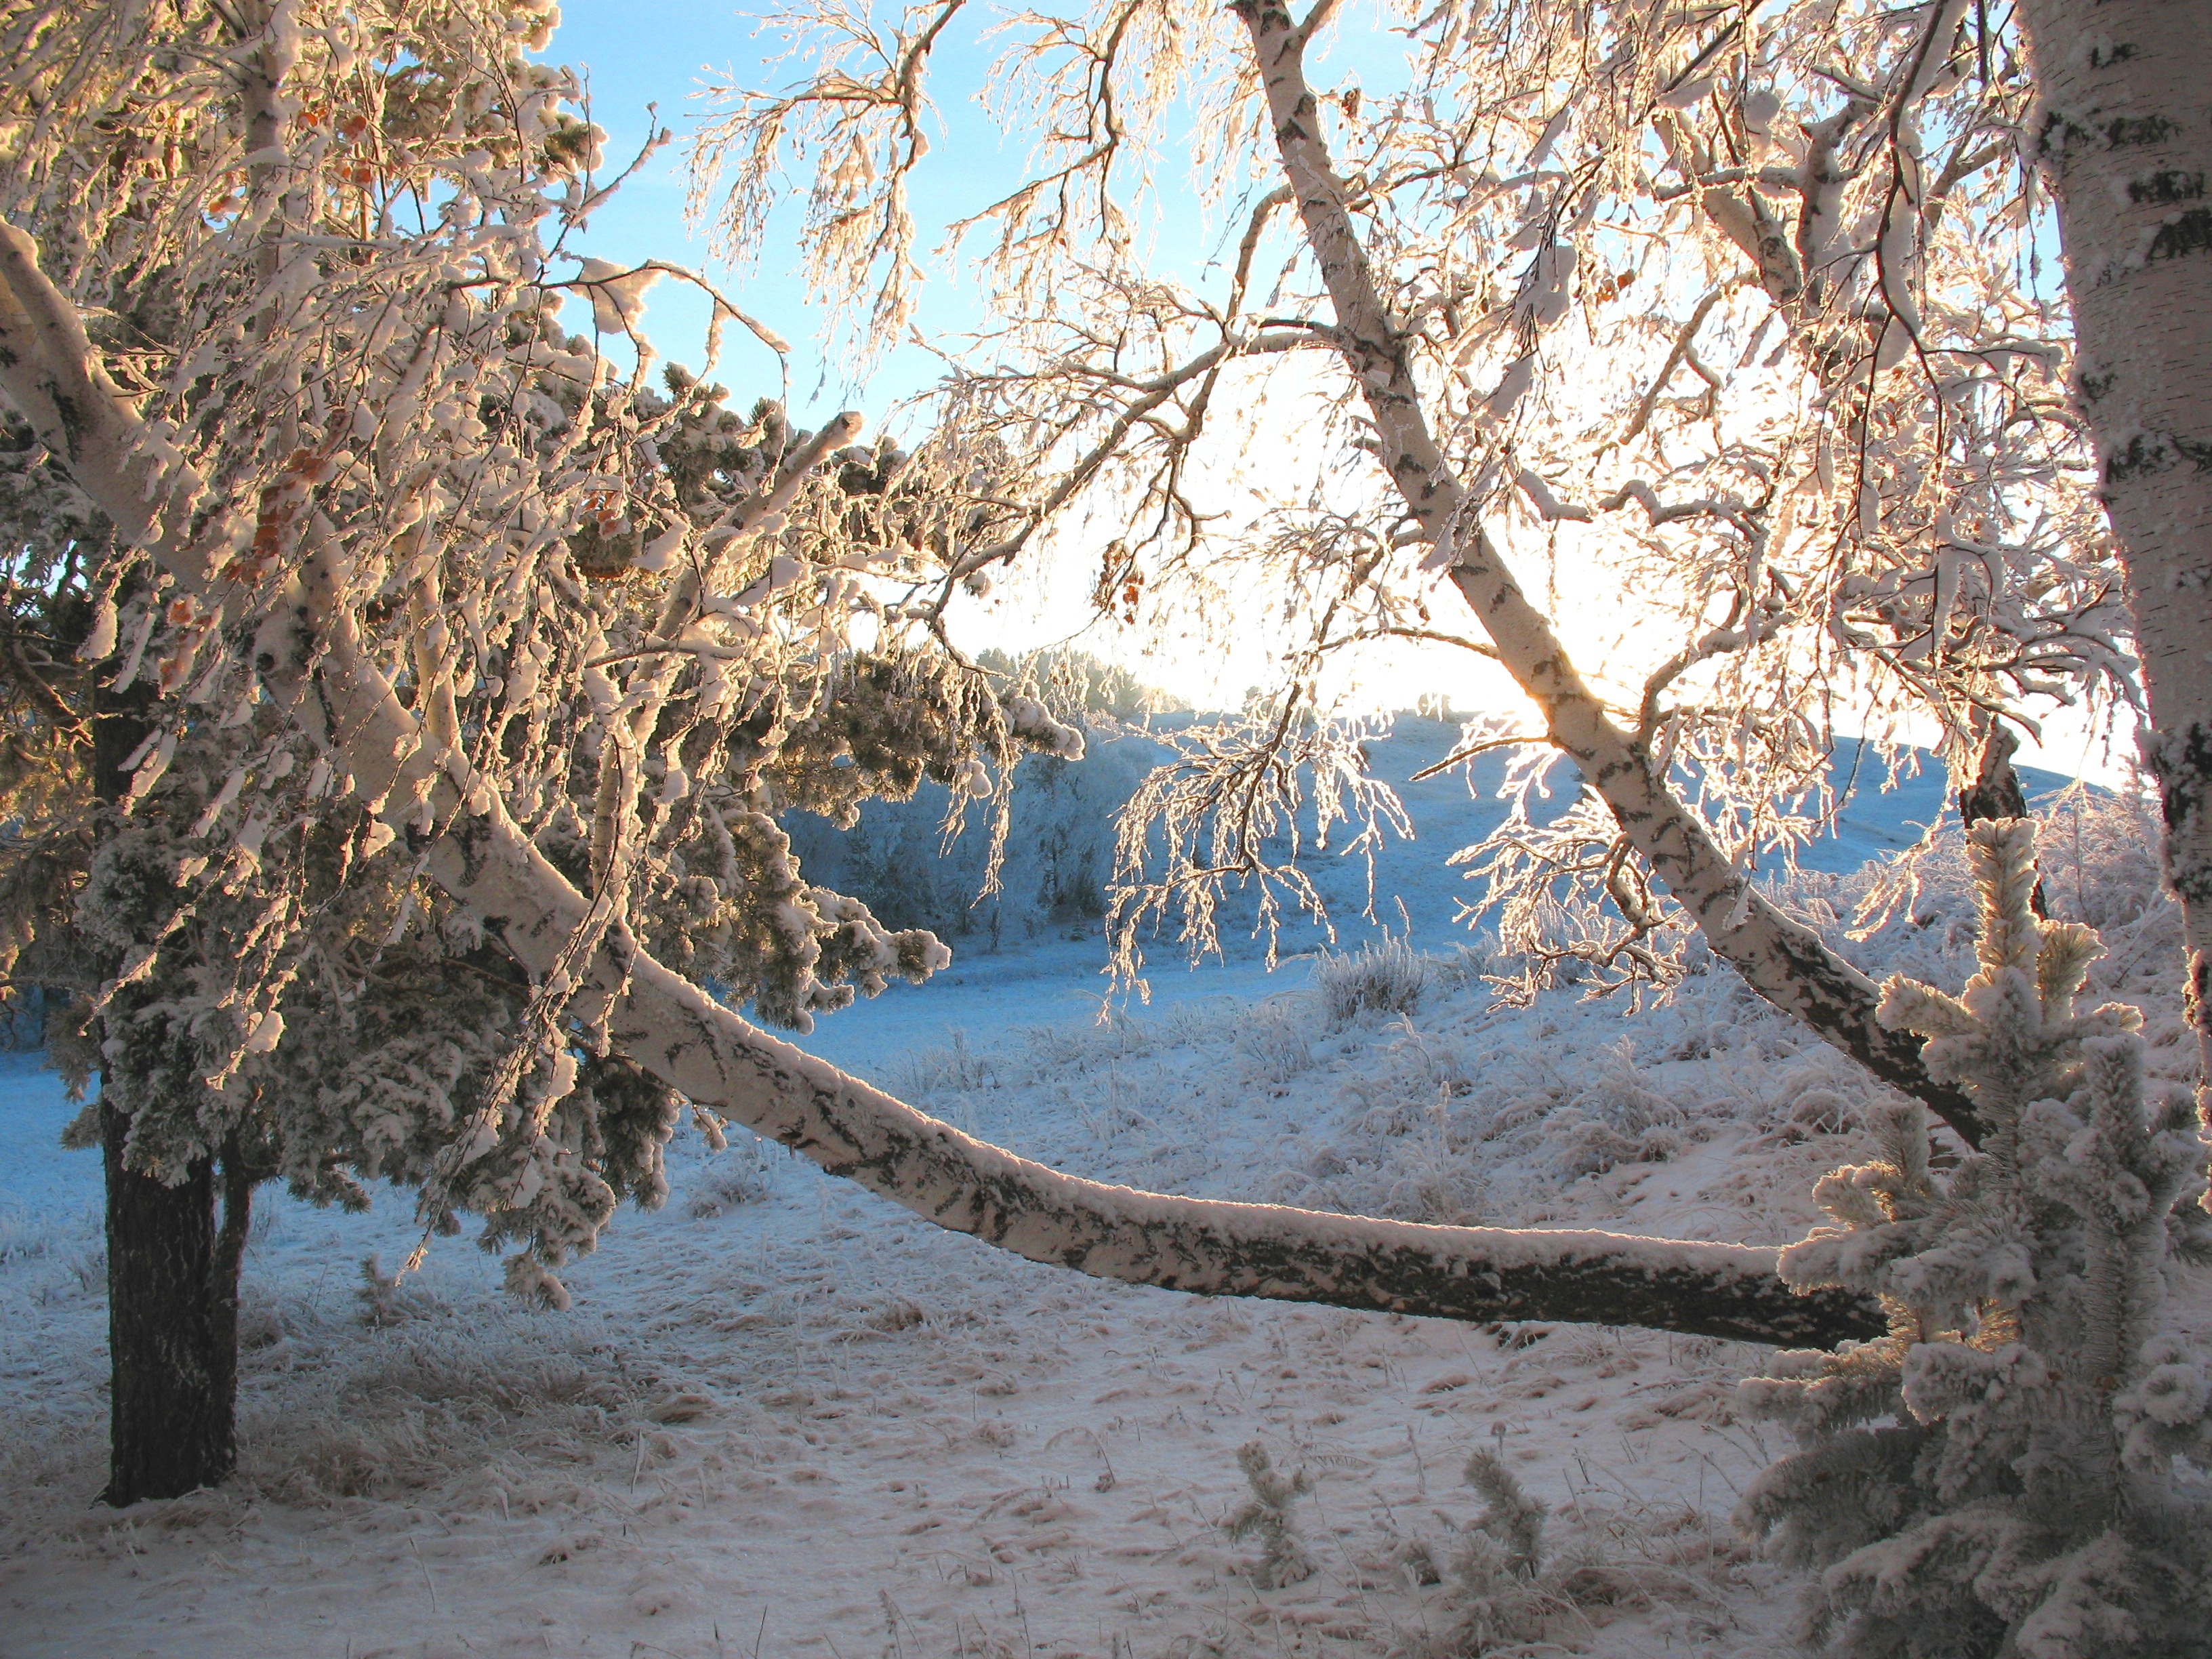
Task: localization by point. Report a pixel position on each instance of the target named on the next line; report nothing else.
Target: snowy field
(784, 1417)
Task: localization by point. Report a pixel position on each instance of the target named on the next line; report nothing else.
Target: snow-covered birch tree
(444, 676)
(1730, 312)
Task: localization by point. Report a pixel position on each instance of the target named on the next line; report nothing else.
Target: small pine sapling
(1498, 1594)
(1496, 1598)
(1265, 1515)
(2013, 1470)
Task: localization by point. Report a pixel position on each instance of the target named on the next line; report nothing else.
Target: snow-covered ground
(786, 1418)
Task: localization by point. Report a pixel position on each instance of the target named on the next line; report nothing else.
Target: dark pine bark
(172, 1272)
(172, 1324)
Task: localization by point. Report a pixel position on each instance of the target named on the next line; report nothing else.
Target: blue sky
(669, 54)
(635, 58)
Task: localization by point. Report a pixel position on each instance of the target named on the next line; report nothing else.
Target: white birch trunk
(2122, 131)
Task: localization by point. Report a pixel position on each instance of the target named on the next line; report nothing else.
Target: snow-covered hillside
(1060, 847)
(784, 1417)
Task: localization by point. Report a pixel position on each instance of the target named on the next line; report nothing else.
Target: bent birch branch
(307, 652)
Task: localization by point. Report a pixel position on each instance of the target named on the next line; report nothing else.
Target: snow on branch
(1207, 1245)
(308, 653)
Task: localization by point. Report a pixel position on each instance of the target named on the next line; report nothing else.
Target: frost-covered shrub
(1821, 1093)
(1466, 964)
(2107, 873)
(1385, 975)
(444, 1410)
(2099, 858)
(925, 1073)
(1498, 1592)
(732, 1180)
(1617, 1118)
(1051, 1051)
(2008, 1471)
(1432, 1175)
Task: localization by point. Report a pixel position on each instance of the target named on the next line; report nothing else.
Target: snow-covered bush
(1615, 1118)
(1464, 964)
(927, 1073)
(733, 1178)
(1432, 1173)
(2013, 1469)
(1501, 1586)
(1386, 975)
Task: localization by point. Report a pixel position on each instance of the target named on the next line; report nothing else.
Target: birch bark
(2122, 133)
(1783, 962)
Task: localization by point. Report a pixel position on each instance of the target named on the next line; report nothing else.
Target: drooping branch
(308, 653)
(1787, 964)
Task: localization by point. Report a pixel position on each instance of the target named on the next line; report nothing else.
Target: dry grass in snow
(784, 1417)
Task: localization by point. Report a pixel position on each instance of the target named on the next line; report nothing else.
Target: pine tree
(2006, 1472)
(269, 983)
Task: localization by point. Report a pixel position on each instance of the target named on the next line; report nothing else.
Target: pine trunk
(171, 1325)
(171, 1272)
(2124, 134)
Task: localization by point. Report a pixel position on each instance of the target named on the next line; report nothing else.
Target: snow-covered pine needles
(2017, 1468)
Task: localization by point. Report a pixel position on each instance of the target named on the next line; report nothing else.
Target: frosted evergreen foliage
(2016, 1468)
(618, 616)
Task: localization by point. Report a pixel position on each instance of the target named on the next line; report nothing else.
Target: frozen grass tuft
(729, 1181)
(1271, 1047)
(463, 1417)
(1387, 976)
(1053, 1051)
(926, 1073)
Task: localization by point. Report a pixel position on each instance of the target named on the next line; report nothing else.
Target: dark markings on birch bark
(1209, 1253)
(2182, 234)
(2167, 188)
(2182, 763)
(2148, 454)
(1204, 1246)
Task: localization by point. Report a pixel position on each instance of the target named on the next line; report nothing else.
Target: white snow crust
(784, 1417)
